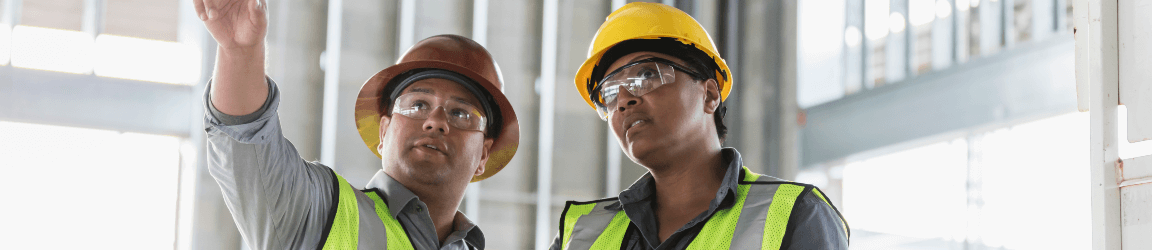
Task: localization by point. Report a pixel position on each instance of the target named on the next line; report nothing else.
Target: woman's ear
(711, 96)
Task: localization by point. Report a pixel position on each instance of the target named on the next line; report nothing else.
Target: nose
(437, 121)
(625, 100)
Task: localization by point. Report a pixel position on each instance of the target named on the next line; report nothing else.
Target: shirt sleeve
(818, 226)
(278, 200)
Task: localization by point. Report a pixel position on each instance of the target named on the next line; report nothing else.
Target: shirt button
(419, 209)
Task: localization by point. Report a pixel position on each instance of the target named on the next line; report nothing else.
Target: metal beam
(480, 35)
(331, 82)
(1014, 86)
(548, 61)
(55, 98)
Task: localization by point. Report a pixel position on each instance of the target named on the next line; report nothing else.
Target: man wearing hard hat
(654, 75)
(438, 120)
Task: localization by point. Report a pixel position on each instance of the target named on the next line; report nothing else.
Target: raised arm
(277, 199)
(239, 27)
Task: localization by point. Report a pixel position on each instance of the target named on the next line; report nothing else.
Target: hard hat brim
(584, 74)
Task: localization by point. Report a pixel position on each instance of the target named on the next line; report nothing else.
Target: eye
(460, 113)
(646, 73)
(419, 104)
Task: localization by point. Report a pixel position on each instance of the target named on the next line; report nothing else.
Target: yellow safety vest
(758, 219)
(345, 229)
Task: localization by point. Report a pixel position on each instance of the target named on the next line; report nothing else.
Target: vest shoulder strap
(343, 223)
(397, 237)
(590, 225)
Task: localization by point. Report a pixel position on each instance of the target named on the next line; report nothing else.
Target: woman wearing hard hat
(654, 75)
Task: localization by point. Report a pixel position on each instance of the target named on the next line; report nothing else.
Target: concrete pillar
(368, 41)
(513, 41)
(294, 42)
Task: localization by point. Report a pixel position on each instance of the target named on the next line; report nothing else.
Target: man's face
(430, 151)
(652, 128)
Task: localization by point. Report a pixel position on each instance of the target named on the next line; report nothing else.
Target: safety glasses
(639, 78)
(419, 106)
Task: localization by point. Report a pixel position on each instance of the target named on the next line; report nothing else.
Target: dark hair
(696, 60)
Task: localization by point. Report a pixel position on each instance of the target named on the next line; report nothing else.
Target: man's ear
(711, 96)
(484, 156)
(384, 121)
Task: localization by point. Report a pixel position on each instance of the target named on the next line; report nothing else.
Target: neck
(687, 186)
(442, 201)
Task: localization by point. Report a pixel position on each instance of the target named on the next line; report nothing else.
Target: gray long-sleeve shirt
(281, 201)
(812, 224)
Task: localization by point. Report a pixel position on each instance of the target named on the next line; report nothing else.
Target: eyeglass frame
(482, 123)
(595, 93)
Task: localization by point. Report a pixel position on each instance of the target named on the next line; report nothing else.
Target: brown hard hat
(446, 52)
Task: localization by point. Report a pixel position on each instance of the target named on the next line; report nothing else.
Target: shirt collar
(636, 201)
(395, 194)
(466, 230)
(398, 196)
(645, 187)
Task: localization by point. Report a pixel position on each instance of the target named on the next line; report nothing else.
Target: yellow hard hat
(642, 20)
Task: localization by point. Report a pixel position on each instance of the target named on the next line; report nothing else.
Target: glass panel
(5, 43)
(876, 31)
(1032, 173)
(996, 190)
(152, 19)
(921, 14)
(76, 188)
(148, 60)
(57, 14)
(1022, 20)
(913, 199)
(974, 26)
(52, 49)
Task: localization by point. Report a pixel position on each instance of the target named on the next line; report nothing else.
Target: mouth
(633, 122)
(431, 144)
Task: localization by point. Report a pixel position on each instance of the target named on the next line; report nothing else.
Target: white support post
(1101, 60)
(548, 55)
(612, 151)
(480, 35)
(407, 26)
(331, 82)
(93, 21)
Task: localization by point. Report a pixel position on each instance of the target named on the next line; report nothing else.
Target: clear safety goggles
(459, 114)
(639, 78)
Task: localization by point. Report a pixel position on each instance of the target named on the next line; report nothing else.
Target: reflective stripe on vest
(755, 221)
(397, 238)
(345, 229)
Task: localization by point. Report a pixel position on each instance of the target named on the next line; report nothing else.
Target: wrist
(241, 53)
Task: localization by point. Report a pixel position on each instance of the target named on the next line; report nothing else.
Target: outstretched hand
(235, 24)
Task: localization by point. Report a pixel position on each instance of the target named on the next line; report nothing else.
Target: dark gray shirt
(280, 201)
(812, 224)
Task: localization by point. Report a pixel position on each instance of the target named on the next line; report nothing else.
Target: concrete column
(513, 41)
(368, 44)
(762, 109)
(294, 42)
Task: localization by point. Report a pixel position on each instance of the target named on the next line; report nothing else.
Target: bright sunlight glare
(76, 188)
(147, 60)
(52, 49)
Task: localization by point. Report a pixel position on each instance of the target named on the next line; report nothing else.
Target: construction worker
(654, 75)
(437, 118)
